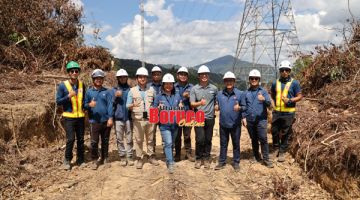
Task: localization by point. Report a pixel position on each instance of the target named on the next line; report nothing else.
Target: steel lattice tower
(268, 30)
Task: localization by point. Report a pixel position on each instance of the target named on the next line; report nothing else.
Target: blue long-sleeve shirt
(169, 102)
(226, 101)
(157, 87)
(121, 112)
(63, 99)
(254, 109)
(103, 110)
(181, 89)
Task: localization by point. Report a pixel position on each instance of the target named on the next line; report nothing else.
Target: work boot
(268, 164)
(177, 158)
(236, 166)
(153, 161)
(67, 165)
(80, 163)
(207, 164)
(94, 165)
(189, 157)
(219, 166)
(139, 163)
(197, 164)
(123, 161)
(281, 157)
(171, 168)
(130, 161)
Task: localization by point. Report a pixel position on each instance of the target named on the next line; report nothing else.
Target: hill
(132, 65)
(242, 68)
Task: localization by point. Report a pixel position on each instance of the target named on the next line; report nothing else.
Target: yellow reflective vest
(76, 101)
(280, 104)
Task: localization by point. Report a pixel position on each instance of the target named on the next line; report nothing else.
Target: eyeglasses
(74, 71)
(254, 78)
(284, 70)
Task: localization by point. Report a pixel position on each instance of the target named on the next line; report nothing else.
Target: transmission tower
(142, 33)
(268, 29)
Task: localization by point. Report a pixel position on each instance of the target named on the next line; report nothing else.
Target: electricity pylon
(268, 29)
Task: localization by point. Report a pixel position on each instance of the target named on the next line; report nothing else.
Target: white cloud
(170, 40)
(77, 3)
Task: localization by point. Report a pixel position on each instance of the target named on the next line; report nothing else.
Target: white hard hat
(182, 69)
(121, 72)
(168, 78)
(142, 71)
(98, 73)
(203, 69)
(285, 64)
(156, 69)
(254, 73)
(229, 75)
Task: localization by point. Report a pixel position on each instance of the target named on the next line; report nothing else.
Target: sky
(191, 32)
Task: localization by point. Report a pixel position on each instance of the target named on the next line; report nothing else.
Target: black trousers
(99, 130)
(203, 139)
(281, 123)
(186, 131)
(74, 127)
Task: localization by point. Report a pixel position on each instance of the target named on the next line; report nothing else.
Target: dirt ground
(31, 158)
(112, 181)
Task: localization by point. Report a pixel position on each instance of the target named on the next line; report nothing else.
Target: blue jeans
(168, 138)
(257, 131)
(224, 141)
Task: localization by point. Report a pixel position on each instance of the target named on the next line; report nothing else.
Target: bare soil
(31, 158)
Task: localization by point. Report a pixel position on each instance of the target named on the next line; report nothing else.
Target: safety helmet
(98, 73)
(156, 69)
(72, 65)
(183, 69)
(229, 75)
(285, 64)
(142, 71)
(254, 73)
(168, 78)
(203, 69)
(121, 72)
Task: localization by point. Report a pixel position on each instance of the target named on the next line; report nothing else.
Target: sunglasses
(254, 78)
(283, 70)
(74, 71)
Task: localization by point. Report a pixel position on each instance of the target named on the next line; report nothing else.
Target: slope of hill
(132, 65)
(242, 68)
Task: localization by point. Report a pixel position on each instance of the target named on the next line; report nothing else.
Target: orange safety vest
(279, 104)
(76, 102)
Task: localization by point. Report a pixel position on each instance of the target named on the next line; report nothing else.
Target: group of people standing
(127, 109)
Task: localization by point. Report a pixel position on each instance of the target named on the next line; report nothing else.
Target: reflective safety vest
(76, 102)
(280, 104)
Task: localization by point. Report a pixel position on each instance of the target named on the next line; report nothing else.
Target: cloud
(171, 40)
(77, 3)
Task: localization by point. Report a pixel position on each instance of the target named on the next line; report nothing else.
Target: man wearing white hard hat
(98, 102)
(183, 87)
(166, 100)
(285, 92)
(256, 100)
(123, 122)
(156, 74)
(202, 97)
(228, 102)
(139, 101)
